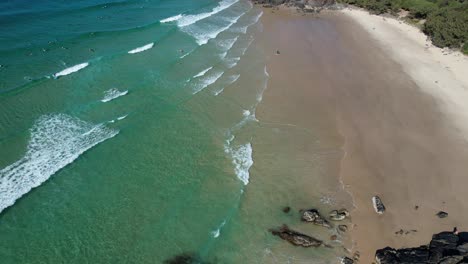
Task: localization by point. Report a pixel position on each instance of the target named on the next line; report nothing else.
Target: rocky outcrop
(306, 5)
(296, 238)
(444, 248)
(313, 216)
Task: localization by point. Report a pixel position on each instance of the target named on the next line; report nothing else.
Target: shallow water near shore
(134, 140)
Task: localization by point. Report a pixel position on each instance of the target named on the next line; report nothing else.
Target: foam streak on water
(72, 69)
(142, 48)
(112, 94)
(56, 140)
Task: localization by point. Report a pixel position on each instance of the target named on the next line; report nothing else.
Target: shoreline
(402, 138)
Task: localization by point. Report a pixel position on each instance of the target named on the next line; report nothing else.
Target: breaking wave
(202, 34)
(207, 81)
(56, 141)
(202, 72)
(241, 159)
(187, 20)
(70, 70)
(171, 19)
(112, 94)
(142, 48)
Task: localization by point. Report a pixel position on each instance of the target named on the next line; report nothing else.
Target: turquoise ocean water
(126, 133)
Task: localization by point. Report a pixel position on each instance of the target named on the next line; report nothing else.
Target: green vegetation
(446, 21)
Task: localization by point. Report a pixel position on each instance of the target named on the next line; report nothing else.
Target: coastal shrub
(448, 27)
(465, 49)
(446, 21)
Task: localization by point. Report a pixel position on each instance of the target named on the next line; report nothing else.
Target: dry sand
(403, 134)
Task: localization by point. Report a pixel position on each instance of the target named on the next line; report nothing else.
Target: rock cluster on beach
(444, 248)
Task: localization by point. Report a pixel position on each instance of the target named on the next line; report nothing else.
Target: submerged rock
(296, 238)
(313, 215)
(185, 258)
(379, 207)
(286, 209)
(444, 248)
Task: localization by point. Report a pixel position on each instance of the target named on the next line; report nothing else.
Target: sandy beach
(397, 106)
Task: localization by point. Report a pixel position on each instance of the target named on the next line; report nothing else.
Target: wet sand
(397, 141)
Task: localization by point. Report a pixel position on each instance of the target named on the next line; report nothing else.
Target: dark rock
(312, 215)
(347, 260)
(444, 248)
(442, 214)
(286, 209)
(296, 238)
(379, 207)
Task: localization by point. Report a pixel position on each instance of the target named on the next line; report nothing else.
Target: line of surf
(207, 81)
(112, 94)
(56, 141)
(142, 48)
(71, 70)
(202, 73)
(171, 19)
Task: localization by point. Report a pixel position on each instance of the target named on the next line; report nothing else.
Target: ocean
(127, 134)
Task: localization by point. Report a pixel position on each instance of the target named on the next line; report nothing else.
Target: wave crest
(142, 48)
(70, 70)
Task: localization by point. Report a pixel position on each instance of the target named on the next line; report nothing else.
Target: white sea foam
(112, 94)
(188, 20)
(242, 161)
(202, 72)
(142, 48)
(171, 19)
(206, 81)
(56, 141)
(71, 70)
(217, 232)
(226, 44)
(121, 117)
(230, 80)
